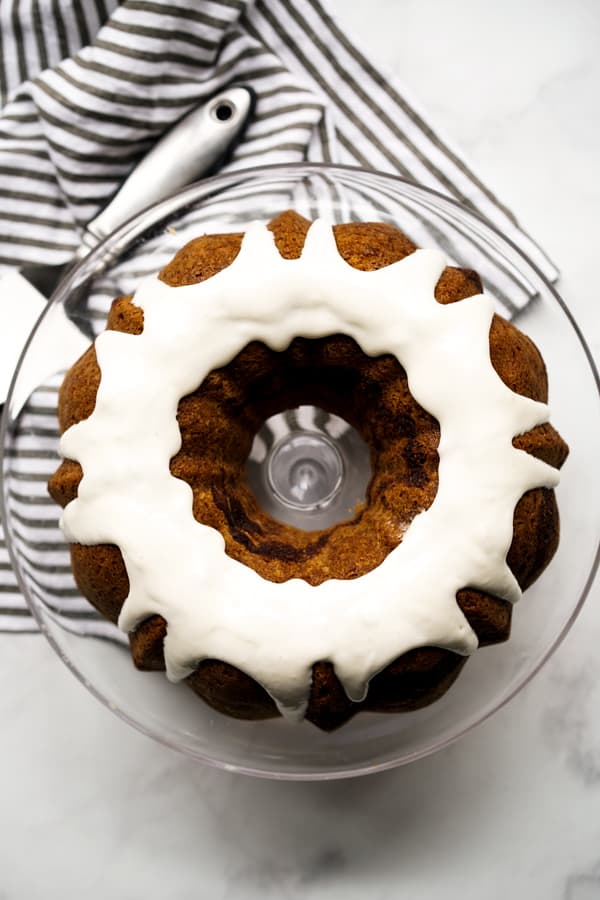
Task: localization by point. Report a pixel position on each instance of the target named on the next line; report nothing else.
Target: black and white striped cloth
(86, 87)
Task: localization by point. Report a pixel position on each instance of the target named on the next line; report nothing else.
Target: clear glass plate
(96, 652)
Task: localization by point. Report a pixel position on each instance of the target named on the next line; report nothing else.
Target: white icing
(218, 608)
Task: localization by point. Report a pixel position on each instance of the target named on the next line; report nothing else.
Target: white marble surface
(89, 807)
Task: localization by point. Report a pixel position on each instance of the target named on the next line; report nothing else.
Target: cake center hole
(309, 468)
(305, 470)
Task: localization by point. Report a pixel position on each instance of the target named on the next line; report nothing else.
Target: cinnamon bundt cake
(256, 571)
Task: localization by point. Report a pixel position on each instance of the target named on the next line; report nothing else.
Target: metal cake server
(189, 150)
(194, 147)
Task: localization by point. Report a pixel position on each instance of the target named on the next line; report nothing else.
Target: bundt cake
(339, 608)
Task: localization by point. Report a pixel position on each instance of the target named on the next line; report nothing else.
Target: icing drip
(218, 608)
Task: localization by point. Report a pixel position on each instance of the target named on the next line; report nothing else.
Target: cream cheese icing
(216, 607)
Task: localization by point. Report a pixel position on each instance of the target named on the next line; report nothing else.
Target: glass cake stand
(306, 467)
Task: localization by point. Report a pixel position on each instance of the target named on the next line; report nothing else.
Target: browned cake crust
(218, 422)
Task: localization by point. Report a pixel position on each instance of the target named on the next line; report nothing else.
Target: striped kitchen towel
(87, 86)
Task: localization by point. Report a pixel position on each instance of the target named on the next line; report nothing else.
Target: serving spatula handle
(189, 150)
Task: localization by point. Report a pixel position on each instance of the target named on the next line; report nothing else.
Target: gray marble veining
(569, 721)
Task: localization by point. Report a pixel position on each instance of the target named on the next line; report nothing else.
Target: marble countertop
(90, 807)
